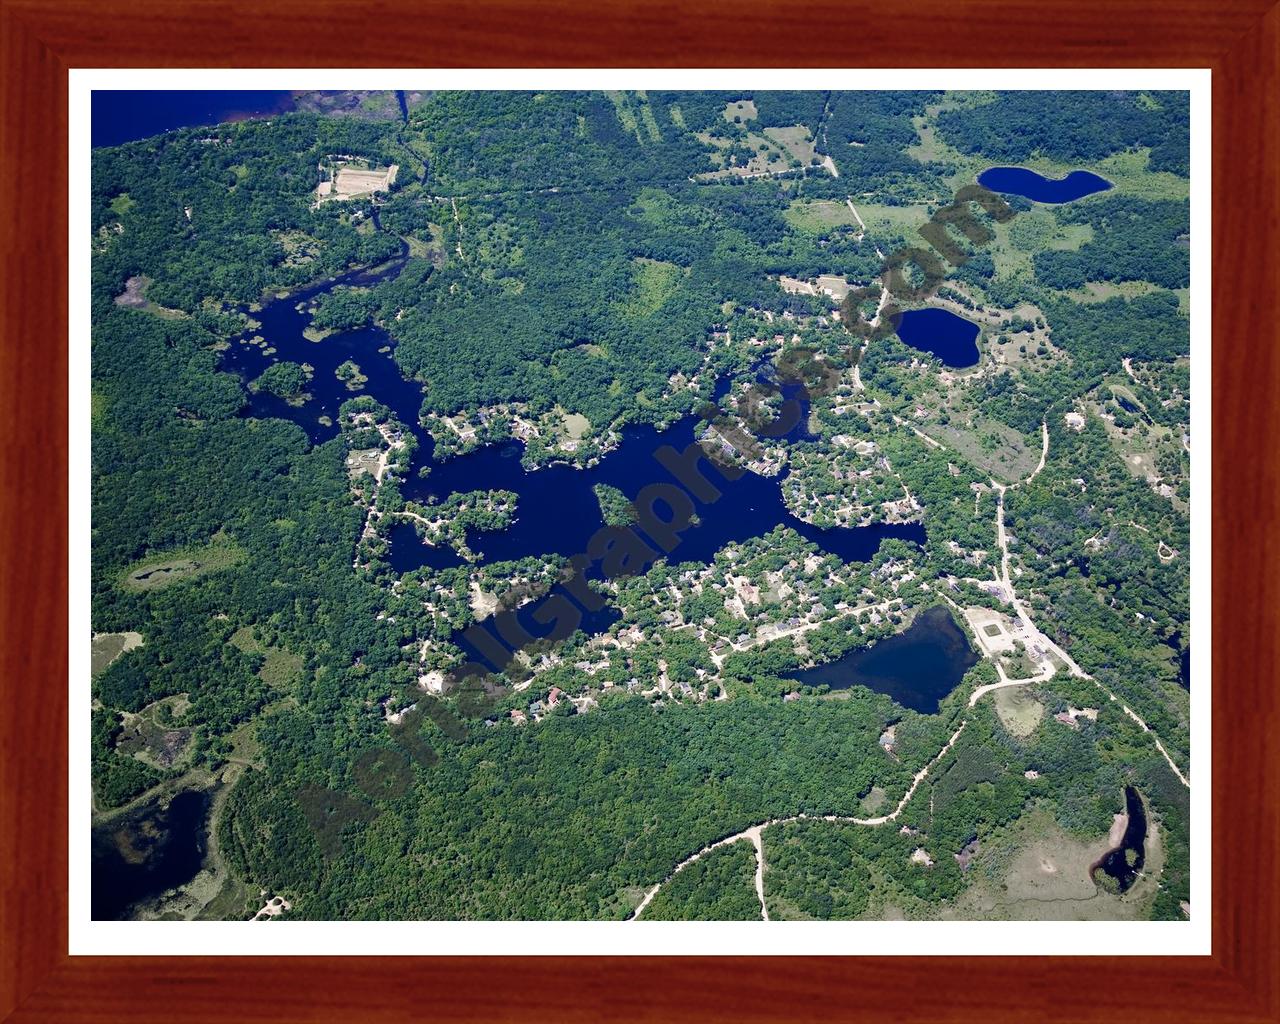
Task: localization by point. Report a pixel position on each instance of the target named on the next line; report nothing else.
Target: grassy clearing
(796, 140)
(626, 116)
(887, 221)
(874, 800)
(768, 156)
(1100, 291)
(1018, 240)
(165, 568)
(646, 117)
(576, 426)
(1034, 871)
(1038, 230)
(740, 111)
(931, 148)
(426, 248)
(280, 668)
(994, 447)
(122, 204)
(635, 115)
(106, 647)
(98, 404)
(817, 217)
(654, 281)
(1018, 710)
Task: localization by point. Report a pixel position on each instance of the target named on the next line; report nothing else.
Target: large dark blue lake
(123, 115)
(557, 511)
(941, 333)
(1021, 181)
(917, 667)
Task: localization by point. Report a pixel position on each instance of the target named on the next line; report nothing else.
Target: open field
(742, 110)
(122, 204)
(1100, 291)
(1018, 710)
(874, 800)
(772, 152)
(818, 216)
(796, 140)
(134, 296)
(887, 223)
(647, 119)
(349, 182)
(1036, 872)
(576, 426)
(655, 281)
(994, 447)
(635, 114)
(424, 249)
(279, 668)
(1018, 240)
(165, 568)
(106, 647)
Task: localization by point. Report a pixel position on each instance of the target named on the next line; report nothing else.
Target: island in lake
(640, 505)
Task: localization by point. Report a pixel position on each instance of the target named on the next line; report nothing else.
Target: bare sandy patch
(107, 647)
(134, 294)
(994, 630)
(349, 181)
(274, 907)
(483, 603)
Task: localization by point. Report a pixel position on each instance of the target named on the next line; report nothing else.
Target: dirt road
(754, 833)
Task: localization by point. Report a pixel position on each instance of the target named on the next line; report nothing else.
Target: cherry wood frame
(41, 39)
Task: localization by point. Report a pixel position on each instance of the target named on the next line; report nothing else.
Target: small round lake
(1022, 181)
(941, 333)
(917, 667)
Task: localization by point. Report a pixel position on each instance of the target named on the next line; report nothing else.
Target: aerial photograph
(640, 505)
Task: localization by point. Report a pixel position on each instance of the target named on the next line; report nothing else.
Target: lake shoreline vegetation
(349, 438)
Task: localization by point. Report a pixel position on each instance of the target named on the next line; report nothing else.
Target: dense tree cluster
(1133, 240)
(558, 256)
(1071, 126)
